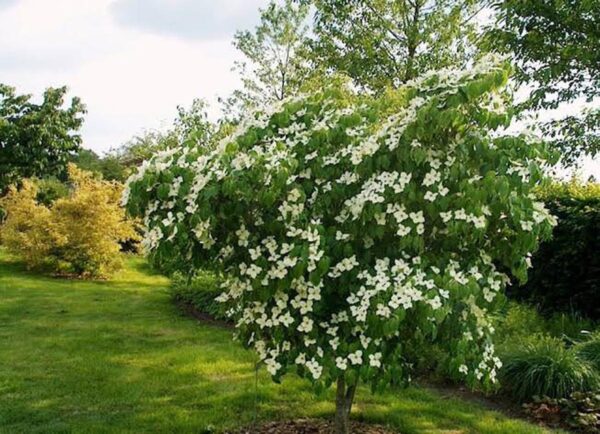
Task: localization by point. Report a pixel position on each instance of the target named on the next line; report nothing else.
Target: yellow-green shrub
(77, 234)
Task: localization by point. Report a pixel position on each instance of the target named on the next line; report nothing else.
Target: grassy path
(116, 357)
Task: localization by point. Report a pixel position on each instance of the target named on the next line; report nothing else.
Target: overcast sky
(131, 61)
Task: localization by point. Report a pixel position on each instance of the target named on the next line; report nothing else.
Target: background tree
(109, 167)
(190, 126)
(381, 43)
(36, 139)
(555, 45)
(274, 65)
(354, 229)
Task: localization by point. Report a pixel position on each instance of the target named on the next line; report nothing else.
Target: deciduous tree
(555, 45)
(383, 43)
(37, 139)
(353, 229)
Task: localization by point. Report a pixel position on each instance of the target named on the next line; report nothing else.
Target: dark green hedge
(566, 270)
(199, 292)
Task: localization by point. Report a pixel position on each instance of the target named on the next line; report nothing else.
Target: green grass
(116, 356)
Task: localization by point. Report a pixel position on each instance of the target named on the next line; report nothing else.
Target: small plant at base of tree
(353, 229)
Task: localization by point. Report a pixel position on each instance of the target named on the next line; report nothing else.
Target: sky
(130, 61)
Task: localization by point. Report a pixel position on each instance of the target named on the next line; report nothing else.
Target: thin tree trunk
(343, 406)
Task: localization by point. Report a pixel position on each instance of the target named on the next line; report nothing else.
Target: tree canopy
(555, 46)
(275, 58)
(383, 43)
(37, 139)
(353, 229)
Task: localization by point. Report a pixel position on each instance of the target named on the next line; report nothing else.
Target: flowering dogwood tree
(353, 229)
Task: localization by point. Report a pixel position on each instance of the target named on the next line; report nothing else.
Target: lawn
(117, 356)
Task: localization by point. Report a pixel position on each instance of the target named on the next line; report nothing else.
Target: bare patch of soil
(190, 310)
(312, 426)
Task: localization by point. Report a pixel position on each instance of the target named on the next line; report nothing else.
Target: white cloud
(196, 19)
(129, 80)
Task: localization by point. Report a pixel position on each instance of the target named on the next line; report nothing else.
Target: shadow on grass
(117, 357)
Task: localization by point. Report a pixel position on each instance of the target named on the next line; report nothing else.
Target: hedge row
(566, 270)
(198, 292)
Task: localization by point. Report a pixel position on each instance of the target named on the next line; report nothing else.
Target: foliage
(275, 60)
(144, 146)
(580, 411)
(543, 366)
(354, 228)
(519, 320)
(566, 270)
(201, 291)
(49, 190)
(78, 234)
(589, 349)
(110, 167)
(119, 346)
(385, 43)
(555, 44)
(36, 139)
(191, 125)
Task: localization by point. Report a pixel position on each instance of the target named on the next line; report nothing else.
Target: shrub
(355, 228)
(543, 366)
(78, 234)
(200, 291)
(518, 319)
(566, 269)
(589, 350)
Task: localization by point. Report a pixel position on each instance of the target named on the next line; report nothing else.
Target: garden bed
(312, 426)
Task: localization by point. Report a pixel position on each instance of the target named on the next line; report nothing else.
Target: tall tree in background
(274, 66)
(37, 139)
(191, 125)
(381, 43)
(555, 44)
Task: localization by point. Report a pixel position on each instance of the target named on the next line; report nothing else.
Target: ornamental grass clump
(543, 366)
(353, 229)
(589, 349)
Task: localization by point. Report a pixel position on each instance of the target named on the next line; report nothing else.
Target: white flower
(341, 236)
(314, 368)
(242, 235)
(383, 311)
(341, 363)
(306, 325)
(430, 196)
(253, 271)
(272, 366)
(431, 178)
(417, 217)
(355, 357)
(446, 216)
(435, 302)
(375, 360)
(463, 369)
(527, 225)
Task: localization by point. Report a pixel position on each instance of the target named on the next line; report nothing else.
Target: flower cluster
(348, 233)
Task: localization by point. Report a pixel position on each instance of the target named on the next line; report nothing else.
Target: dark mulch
(312, 426)
(190, 310)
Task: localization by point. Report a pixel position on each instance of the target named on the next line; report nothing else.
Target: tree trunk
(343, 405)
